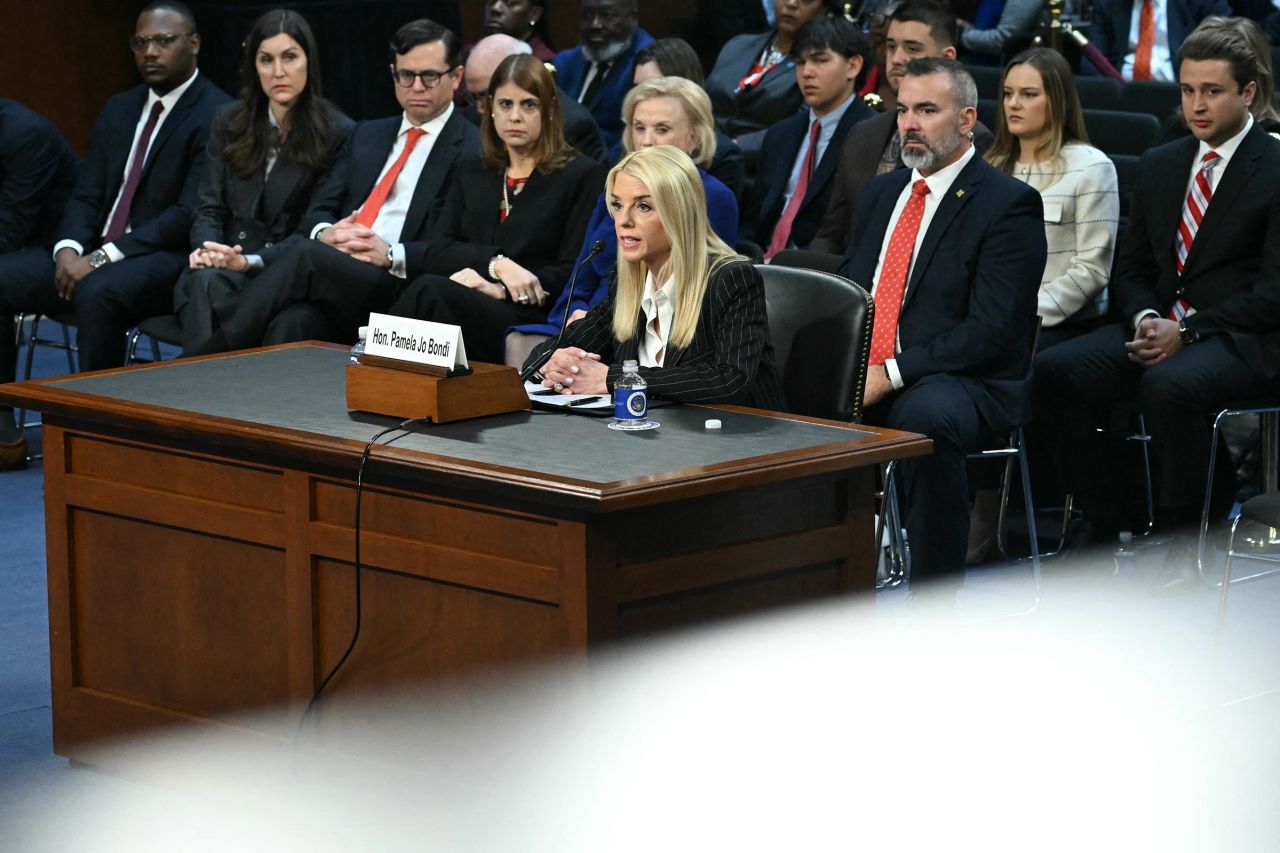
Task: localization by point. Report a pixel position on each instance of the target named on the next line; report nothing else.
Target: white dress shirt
(1225, 152)
(169, 100)
(395, 209)
(659, 304)
(939, 185)
(1161, 58)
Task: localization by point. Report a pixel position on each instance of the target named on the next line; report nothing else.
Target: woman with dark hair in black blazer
(270, 152)
(504, 242)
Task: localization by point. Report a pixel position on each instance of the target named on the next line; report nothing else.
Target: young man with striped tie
(1196, 293)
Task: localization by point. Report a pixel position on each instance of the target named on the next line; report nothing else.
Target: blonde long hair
(696, 252)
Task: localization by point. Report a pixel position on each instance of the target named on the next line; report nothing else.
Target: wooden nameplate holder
(401, 389)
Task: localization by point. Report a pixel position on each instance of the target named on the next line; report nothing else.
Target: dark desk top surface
(301, 389)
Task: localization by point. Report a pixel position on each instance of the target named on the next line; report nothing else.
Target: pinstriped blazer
(729, 360)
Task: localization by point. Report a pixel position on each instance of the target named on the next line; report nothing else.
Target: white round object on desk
(712, 423)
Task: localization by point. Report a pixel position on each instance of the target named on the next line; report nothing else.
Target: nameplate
(415, 341)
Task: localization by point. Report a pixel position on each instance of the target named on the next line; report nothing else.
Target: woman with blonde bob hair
(659, 111)
(683, 304)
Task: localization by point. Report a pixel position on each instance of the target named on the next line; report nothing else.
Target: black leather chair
(1122, 132)
(820, 326)
(162, 329)
(1098, 93)
(987, 78)
(1157, 98)
(987, 111)
(1126, 179)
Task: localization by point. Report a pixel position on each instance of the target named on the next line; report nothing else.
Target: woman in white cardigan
(1040, 139)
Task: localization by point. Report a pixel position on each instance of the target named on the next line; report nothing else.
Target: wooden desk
(200, 535)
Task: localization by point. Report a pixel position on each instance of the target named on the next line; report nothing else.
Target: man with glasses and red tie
(1196, 291)
(123, 236)
(396, 171)
(953, 250)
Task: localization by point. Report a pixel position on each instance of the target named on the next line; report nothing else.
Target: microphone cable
(408, 425)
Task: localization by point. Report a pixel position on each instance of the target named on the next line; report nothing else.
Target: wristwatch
(98, 258)
(391, 259)
(1188, 335)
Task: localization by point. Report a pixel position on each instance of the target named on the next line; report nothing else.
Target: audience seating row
(1159, 98)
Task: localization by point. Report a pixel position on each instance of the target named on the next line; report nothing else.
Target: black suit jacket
(1112, 20)
(258, 214)
(777, 158)
(37, 171)
(747, 114)
(971, 297)
(543, 231)
(729, 360)
(367, 151)
(859, 161)
(1232, 274)
(160, 218)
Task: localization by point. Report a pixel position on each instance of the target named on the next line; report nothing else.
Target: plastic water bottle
(358, 349)
(630, 396)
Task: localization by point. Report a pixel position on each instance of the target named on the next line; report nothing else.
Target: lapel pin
(959, 193)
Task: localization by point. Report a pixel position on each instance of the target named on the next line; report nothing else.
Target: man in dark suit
(918, 28)
(793, 180)
(952, 250)
(597, 73)
(37, 171)
(1196, 291)
(396, 172)
(1118, 33)
(124, 229)
(580, 129)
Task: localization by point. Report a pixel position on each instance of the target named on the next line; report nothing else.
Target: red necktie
(1193, 210)
(120, 219)
(369, 210)
(893, 274)
(1146, 41)
(782, 231)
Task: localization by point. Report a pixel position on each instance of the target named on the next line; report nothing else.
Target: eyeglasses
(528, 106)
(430, 79)
(470, 98)
(163, 41)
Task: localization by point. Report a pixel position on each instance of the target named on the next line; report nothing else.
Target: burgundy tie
(120, 219)
(782, 231)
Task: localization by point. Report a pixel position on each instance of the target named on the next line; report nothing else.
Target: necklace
(510, 187)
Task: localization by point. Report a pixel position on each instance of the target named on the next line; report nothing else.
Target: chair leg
(1145, 441)
(155, 350)
(1201, 545)
(1226, 584)
(1025, 471)
(131, 351)
(69, 349)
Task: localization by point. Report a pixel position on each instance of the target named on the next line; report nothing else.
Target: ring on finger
(559, 386)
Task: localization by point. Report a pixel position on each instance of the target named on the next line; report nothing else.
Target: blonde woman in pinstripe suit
(683, 304)
(1041, 140)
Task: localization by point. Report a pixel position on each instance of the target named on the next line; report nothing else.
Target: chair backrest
(1120, 132)
(1126, 178)
(1098, 93)
(1158, 98)
(987, 78)
(820, 326)
(987, 108)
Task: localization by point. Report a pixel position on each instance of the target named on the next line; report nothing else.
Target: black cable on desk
(355, 634)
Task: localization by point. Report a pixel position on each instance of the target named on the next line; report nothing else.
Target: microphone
(525, 375)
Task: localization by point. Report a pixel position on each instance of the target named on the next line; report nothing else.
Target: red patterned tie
(782, 231)
(1193, 210)
(119, 223)
(1146, 41)
(893, 274)
(369, 210)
